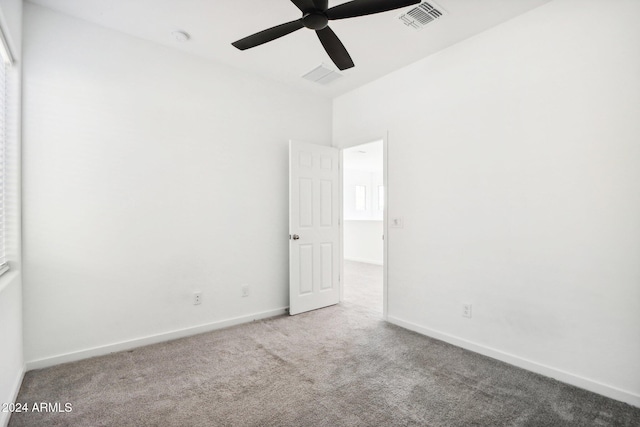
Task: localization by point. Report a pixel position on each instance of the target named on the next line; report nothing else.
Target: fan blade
(268, 35)
(334, 48)
(366, 7)
(321, 4)
(304, 5)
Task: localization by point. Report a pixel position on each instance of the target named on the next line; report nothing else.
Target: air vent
(421, 15)
(322, 75)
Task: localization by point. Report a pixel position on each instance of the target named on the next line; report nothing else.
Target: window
(3, 260)
(5, 62)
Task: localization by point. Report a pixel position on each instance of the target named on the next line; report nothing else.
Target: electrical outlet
(245, 290)
(466, 310)
(197, 298)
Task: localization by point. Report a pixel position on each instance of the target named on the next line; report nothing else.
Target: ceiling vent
(322, 75)
(421, 15)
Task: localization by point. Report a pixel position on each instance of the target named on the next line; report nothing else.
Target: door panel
(326, 203)
(305, 190)
(326, 261)
(306, 269)
(314, 204)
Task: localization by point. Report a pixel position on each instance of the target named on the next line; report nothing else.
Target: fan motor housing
(315, 20)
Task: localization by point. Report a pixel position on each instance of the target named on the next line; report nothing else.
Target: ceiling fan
(316, 15)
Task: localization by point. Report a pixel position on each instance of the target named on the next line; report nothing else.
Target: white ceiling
(378, 44)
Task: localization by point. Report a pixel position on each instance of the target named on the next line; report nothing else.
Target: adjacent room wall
(513, 159)
(362, 228)
(149, 174)
(11, 350)
(363, 241)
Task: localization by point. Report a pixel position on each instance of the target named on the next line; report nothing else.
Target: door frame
(385, 216)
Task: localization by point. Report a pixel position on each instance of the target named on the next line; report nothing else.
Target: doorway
(364, 201)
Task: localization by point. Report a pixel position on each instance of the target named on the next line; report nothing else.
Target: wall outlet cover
(466, 310)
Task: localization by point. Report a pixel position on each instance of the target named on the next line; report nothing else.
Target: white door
(314, 214)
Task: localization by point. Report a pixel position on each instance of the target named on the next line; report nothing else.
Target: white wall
(514, 164)
(149, 174)
(363, 241)
(11, 350)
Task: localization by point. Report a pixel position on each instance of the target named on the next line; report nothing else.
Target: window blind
(3, 116)
(5, 61)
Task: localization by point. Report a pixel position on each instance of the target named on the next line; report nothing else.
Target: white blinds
(3, 109)
(5, 62)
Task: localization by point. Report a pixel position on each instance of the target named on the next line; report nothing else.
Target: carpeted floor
(363, 285)
(339, 366)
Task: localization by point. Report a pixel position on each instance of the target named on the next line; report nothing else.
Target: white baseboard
(366, 261)
(6, 416)
(548, 371)
(152, 339)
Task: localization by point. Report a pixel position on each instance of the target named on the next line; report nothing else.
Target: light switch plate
(396, 222)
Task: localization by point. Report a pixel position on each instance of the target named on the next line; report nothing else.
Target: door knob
(295, 237)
